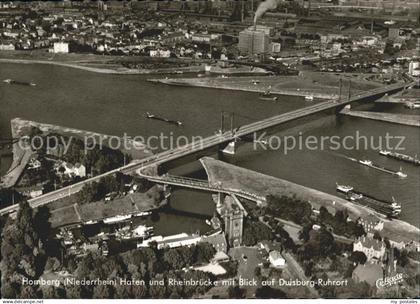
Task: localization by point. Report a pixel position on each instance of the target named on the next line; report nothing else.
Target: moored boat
(116, 219)
(343, 188)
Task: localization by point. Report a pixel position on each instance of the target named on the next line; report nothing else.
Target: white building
(61, 47)
(7, 47)
(74, 170)
(275, 47)
(414, 68)
(276, 259)
(160, 53)
(172, 241)
(372, 248)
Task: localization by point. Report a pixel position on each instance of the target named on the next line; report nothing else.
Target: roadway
(208, 142)
(199, 184)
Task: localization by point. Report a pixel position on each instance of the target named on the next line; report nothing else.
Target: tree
(254, 232)
(358, 257)
(235, 292)
(326, 243)
(304, 232)
(21, 249)
(103, 292)
(28, 292)
(401, 257)
(266, 292)
(204, 252)
(390, 49)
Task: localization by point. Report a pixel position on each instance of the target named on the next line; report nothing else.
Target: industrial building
(255, 40)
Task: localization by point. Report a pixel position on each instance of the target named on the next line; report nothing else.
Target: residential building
(371, 224)
(276, 259)
(275, 47)
(7, 47)
(218, 241)
(74, 170)
(61, 47)
(414, 68)
(372, 248)
(34, 164)
(160, 53)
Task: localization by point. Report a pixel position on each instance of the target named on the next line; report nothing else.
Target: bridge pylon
(230, 148)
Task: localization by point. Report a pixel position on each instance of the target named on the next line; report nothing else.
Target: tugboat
(401, 174)
(355, 196)
(148, 115)
(366, 162)
(344, 188)
(11, 81)
(268, 96)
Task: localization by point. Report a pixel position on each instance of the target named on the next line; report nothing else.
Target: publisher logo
(389, 281)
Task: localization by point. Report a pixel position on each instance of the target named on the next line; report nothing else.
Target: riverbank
(20, 155)
(135, 149)
(230, 176)
(317, 85)
(100, 68)
(124, 65)
(402, 119)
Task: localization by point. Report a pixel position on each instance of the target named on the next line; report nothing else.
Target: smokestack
(265, 6)
(255, 23)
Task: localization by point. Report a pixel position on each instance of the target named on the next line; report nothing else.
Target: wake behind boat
(273, 98)
(174, 122)
(11, 81)
(370, 164)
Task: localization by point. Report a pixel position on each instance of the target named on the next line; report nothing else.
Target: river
(116, 104)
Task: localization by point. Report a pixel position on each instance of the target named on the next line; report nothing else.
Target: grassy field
(234, 177)
(320, 85)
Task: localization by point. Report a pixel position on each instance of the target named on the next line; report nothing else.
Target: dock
(402, 119)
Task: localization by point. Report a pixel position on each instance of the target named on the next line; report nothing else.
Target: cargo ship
(11, 81)
(390, 209)
(268, 96)
(273, 98)
(413, 105)
(370, 164)
(174, 122)
(116, 219)
(408, 159)
(128, 233)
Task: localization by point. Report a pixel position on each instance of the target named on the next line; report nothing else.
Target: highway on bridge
(211, 141)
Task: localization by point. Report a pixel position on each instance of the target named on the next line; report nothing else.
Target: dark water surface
(116, 104)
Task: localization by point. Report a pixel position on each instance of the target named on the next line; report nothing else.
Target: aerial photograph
(210, 149)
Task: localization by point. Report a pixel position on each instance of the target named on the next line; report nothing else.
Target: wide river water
(116, 104)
